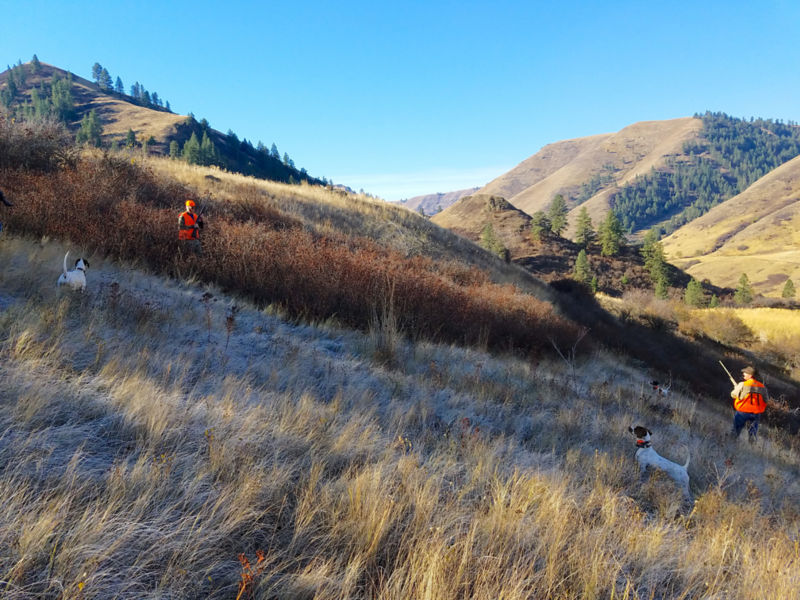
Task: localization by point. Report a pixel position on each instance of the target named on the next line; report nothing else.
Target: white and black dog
(647, 457)
(74, 278)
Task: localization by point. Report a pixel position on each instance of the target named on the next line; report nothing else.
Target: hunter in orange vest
(750, 401)
(189, 226)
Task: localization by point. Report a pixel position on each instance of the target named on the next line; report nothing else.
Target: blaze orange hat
(190, 203)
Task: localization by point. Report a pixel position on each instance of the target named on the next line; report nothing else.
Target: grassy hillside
(27, 91)
(587, 170)
(152, 440)
(472, 214)
(756, 232)
(343, 400)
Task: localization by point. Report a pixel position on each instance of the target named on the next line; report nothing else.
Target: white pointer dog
(647, 457)
(74, 278)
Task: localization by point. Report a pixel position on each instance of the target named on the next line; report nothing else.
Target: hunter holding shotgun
(749, 400)
(189, 225)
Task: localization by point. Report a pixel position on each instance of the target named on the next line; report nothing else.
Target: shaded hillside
(431, 204)
(588, 170)
(756, 232)
(553, 257)
(33, 95)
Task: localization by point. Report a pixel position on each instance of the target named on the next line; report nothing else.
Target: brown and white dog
(647, 457)
(74, 278)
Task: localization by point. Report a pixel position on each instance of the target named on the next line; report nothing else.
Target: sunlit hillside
(756, 232)
(117, 113)
(612, 159)
(157, 441)
(339, 399)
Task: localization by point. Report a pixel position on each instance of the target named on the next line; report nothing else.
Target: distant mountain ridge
(665, 174)
(586, 171)
(430, 204)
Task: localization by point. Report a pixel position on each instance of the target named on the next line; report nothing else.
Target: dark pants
(192, 246)
(739, 420)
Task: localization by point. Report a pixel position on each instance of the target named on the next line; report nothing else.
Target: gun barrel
(733, 381)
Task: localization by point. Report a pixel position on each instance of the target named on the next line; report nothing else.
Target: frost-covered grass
(149, 435)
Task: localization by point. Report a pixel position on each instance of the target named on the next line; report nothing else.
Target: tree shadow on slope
(694, 362)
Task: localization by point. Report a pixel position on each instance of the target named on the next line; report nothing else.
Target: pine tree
(557, 214)
(36, 66)
(582, 272)
(61, 99)
(90, 131)
(788, 289)
(584, 230)
(105, 80)
(130, 139)
(174, 149)
(611, 235)
(273, 152)
(662, 288)
(744, 291)
(118, 87)
(694, 294)
(540, 226)
(191, 150)
(714, 302)
(97, 69)
(490, 242)
(208, 153)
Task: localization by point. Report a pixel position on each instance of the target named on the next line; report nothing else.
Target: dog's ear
(77, 260)
(648, 431)
(86, 262)
(630, 428)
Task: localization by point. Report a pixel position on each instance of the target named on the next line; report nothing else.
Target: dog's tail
(65, 263)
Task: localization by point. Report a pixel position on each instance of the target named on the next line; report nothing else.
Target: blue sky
(415, 97)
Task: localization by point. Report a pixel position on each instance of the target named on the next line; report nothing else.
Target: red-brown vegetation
(116, 208)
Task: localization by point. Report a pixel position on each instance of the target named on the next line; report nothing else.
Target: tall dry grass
(145, 444)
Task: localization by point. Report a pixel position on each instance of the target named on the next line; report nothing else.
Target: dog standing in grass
(74, 278)
(647, 457)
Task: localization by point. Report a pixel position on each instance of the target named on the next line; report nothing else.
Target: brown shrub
(114, 207)
(42, 145)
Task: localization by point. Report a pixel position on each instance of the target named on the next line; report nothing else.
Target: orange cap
(190, 203)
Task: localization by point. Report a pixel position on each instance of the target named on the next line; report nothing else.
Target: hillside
(341, 399)
(153, 439)
(756, 232)
(36, 92)
(589, 169)
(430, 204)
(469, 216)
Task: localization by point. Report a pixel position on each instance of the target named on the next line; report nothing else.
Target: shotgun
(733, 381)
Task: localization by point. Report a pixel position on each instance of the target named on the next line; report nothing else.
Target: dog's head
(81, 264)
(641, 433)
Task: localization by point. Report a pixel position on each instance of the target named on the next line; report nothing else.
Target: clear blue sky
(415, 97)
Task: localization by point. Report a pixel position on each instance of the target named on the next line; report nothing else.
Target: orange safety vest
(752, 398)
(186, 223)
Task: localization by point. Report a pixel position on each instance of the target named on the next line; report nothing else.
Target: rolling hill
(589, 169)
(119, 113)
(756, 232)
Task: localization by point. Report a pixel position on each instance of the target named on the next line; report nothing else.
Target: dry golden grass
(145, 445)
